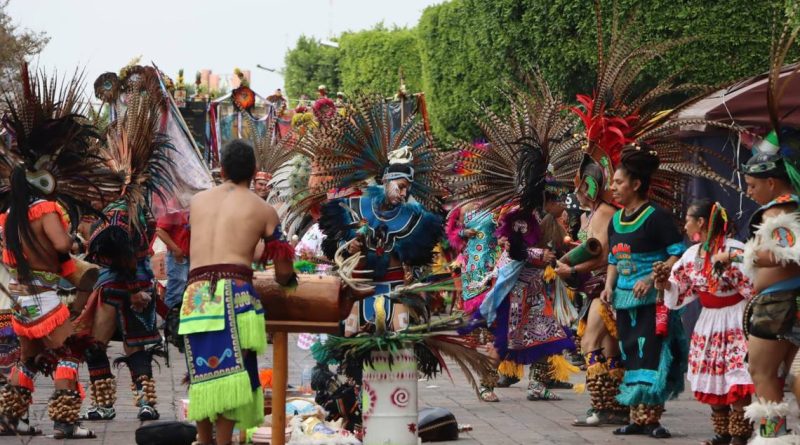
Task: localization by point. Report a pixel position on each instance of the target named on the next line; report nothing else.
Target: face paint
(351, 324)
(402, 321)
(396, 191)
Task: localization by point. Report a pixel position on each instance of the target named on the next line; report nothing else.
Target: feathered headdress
(139, 153)
(54, 145)
(525, 150)
(50, 151)
(324, 109)
(781, 146)
(615, 116)
(271, 149)
(354, 148)
(243, 98)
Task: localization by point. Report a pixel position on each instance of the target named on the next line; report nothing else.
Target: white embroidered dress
(717, 369)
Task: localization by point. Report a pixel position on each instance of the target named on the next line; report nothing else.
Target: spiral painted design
(401, 397)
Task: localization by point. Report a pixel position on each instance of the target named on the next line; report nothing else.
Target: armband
(778, 236)
(276, 247)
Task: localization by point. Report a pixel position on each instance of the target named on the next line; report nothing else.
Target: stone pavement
(512, 421)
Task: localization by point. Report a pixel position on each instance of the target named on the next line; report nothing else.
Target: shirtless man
(598, 340)
(222, 319)
(773, 255)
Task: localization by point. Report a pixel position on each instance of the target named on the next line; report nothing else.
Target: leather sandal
(659, 432)
(488, 395)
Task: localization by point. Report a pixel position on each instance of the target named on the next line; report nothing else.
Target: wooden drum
(85, 275)
(316, 305)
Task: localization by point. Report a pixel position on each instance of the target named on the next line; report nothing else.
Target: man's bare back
(227, 223)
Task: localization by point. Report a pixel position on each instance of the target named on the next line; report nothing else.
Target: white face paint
(396, 191)
(402, 321)
(351, 325)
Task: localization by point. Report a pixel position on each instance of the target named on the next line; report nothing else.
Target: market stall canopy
(745, 102)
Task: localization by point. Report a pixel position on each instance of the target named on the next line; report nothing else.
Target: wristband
(291, 283)
(535, 254)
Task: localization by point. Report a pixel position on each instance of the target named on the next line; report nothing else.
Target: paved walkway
(512, 421)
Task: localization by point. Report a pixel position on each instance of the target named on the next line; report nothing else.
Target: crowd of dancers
(383, 202)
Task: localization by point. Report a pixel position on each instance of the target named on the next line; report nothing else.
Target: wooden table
(315, 306)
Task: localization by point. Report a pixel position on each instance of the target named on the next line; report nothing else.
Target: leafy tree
(16, 43)
(370, 60)
(310, 64)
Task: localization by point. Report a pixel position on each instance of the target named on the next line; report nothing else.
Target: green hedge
(468, 48)
(370, 60)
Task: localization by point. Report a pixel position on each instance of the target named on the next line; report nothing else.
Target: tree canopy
(16, 43)
(310, 64)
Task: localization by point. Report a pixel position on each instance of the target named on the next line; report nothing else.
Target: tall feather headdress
(138, 150)
(48, 135)
(139, 153)
(354, 149)
(272, 150)
(523, 148)
(617, 114)
(782, 143)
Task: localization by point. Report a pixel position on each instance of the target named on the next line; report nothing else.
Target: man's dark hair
(238, 161)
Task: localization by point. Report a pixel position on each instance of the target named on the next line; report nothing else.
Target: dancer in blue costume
(393, 225)
(389, 231)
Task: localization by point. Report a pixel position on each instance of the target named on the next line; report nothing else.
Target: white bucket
(389, 399)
